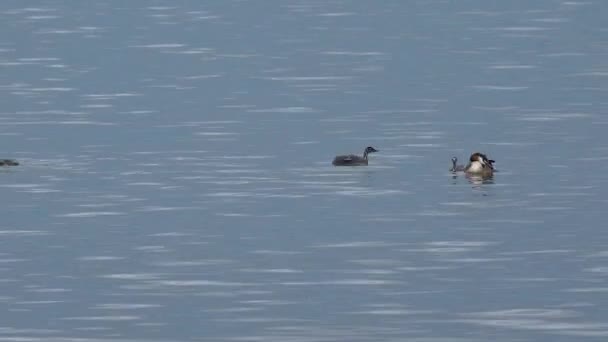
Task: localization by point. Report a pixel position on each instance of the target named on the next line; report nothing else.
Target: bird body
(455, 166)
(353, 159)
(480, 165)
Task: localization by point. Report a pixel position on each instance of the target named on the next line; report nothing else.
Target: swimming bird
(480, 165)
(8, 162)
(353, 159)
(455, 167)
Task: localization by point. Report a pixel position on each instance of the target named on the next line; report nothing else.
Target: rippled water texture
(176, 180)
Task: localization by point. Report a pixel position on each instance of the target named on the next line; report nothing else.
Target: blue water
(176, 180)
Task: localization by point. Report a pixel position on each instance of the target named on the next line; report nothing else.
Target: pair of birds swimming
(479, 163)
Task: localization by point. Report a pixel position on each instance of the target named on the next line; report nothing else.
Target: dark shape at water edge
(8, 162)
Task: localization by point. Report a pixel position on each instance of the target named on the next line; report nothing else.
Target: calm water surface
(176, 181)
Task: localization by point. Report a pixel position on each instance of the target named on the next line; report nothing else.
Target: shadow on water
(479, 180)
(6, 169)
(478, 183)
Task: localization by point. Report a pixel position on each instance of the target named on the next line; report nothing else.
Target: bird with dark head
(455, 166)
(353, 159)
(480, 164)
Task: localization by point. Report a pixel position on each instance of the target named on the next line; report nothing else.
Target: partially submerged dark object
(8, 162)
